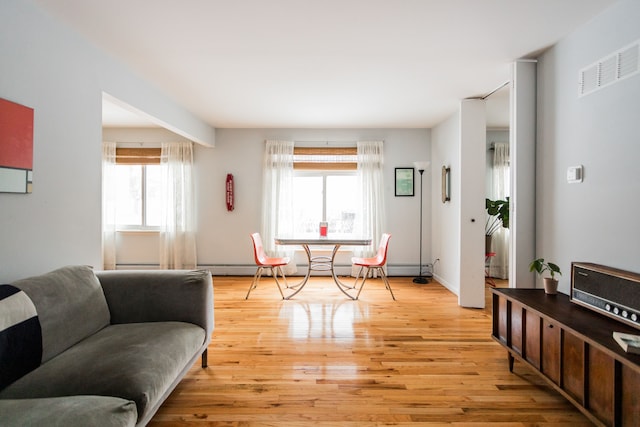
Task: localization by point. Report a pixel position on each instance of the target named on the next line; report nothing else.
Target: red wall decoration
(229, 192)
(16, 147)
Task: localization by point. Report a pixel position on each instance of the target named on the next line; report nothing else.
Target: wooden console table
(573, 349)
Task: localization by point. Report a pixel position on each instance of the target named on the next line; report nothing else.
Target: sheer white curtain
(501, 190)
(178, 226)
(109, 205)
(277, 199)
(372, 221)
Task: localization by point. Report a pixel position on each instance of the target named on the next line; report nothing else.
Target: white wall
(522, 167)
(597, 220)
(445, 230)
(142, 137)
(49, 68)
(223, 237)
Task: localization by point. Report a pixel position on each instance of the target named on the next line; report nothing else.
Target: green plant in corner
(539, 266)
(498, 215)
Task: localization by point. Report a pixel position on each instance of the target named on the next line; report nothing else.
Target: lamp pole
(420, 279)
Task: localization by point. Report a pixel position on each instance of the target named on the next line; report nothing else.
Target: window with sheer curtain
(342, 187)
(499, 267)
(150, 189)
(324, 182)
(138, 194)
(177, 219)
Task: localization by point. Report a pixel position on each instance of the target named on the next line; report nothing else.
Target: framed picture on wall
(404, 182)
(16, 148)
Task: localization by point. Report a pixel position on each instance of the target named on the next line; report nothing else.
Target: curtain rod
(492, 146)
(326, 142)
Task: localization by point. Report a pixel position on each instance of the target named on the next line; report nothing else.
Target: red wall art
(16, 147)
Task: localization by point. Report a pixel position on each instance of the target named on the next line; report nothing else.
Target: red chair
(487, 269)
(263, 261)
(375, 263)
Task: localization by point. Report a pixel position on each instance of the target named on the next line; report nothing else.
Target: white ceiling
(323, 64)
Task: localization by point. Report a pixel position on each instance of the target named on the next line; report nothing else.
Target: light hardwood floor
(321, 359)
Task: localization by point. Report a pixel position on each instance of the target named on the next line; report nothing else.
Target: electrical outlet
(574, 174)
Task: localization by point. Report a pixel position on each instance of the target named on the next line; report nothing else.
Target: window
(324, 189)
(138, 196)
(324, 196)
(138, 189)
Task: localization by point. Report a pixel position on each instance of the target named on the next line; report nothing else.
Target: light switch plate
(574, 174)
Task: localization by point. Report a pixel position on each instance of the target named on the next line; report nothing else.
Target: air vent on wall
(610, 69)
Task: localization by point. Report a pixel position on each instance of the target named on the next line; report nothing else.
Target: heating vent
(610, 69)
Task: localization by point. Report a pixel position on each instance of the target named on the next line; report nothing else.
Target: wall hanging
(446, 184)
(229, 192)
(404, 182)
(16, 147)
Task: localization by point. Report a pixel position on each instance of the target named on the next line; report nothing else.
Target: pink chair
(263, 261)
(375, 263)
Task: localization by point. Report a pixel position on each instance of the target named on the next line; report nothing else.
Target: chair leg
(274, 273)
(284, 278)
(254, 282)
(355, 284)
(386, 282)
(364, 279)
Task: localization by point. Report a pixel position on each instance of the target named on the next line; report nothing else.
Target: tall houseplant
(550, 283)
(497, 217)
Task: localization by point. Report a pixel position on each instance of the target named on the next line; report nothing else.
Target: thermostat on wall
(574, 174)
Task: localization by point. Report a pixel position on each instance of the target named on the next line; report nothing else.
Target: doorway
(497, 184)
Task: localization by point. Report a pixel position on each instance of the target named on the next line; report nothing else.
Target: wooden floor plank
(321, 359)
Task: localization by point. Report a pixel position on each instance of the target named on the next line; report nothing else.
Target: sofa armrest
(159, 295)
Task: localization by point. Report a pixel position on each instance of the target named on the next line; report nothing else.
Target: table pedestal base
(321, 263)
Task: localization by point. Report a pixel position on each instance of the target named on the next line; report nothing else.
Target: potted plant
(550, 283)
(498, 216)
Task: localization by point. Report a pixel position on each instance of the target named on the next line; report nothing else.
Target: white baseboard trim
(454, 290)
(250, 269)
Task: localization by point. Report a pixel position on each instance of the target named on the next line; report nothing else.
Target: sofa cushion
(70, 305)
(136, 361)
(73, 411)
(20, 335)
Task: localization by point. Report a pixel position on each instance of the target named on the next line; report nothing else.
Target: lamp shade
(421, 166)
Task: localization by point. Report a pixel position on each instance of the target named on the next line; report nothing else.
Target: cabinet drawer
(630, 402)
(532, 338)
(551, 350)
(503, 319)
(600, 398)
(573, 366)
(517, 313)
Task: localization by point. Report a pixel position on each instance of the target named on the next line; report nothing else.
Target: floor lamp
(421, 166)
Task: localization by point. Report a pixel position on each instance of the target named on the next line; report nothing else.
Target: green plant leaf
(539, 266)
(498, 215)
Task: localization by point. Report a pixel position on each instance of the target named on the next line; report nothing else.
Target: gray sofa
(85, 348)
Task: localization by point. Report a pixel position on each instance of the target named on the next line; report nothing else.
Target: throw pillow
(20, 335)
